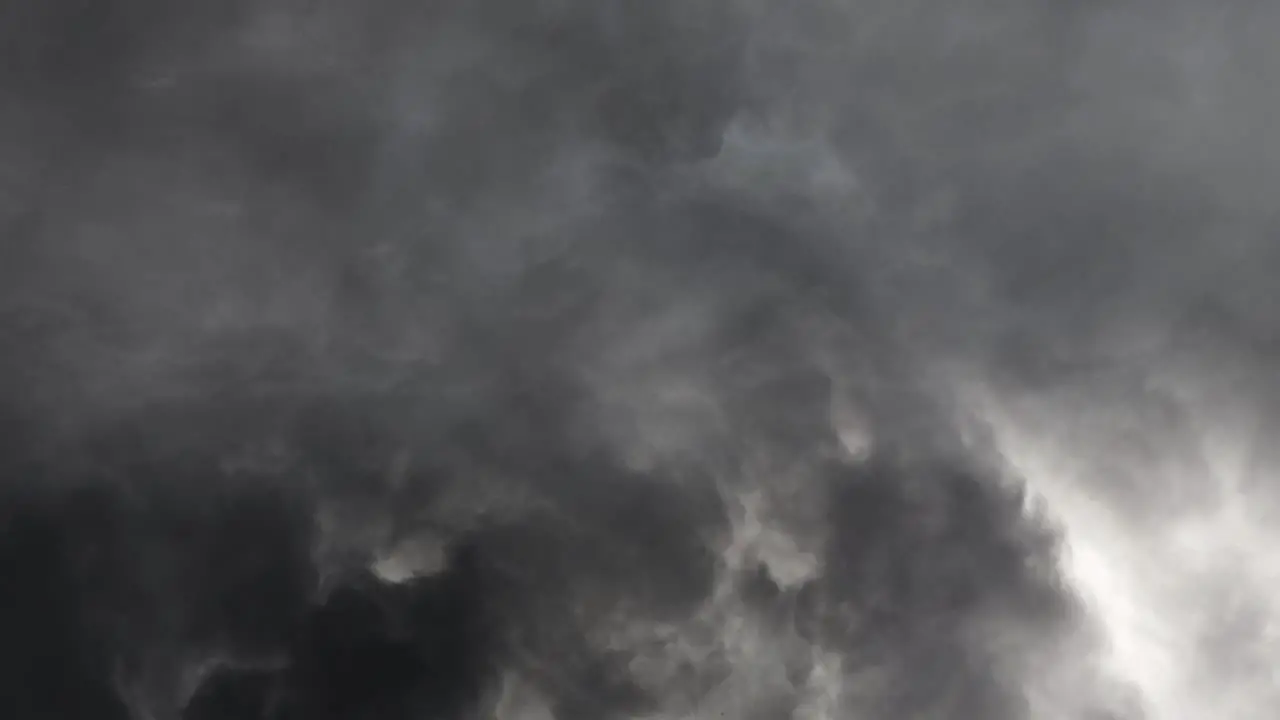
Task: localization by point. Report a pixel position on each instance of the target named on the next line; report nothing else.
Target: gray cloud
(560, 359)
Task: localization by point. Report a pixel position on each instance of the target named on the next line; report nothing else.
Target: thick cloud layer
(557, 359)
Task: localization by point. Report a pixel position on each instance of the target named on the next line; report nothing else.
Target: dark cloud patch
(606, 359)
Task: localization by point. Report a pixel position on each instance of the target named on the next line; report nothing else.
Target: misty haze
(639, 360)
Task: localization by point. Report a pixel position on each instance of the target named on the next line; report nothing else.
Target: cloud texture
(706, 359)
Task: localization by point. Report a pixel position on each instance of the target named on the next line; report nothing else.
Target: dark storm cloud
(580, 360)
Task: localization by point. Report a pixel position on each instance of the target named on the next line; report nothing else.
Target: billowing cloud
(826, 359)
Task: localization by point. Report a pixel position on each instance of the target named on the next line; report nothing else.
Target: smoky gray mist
(570, 360)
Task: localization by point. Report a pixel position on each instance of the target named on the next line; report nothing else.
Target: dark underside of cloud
(584, 360)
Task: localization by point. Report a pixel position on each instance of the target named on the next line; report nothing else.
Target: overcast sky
(680, 359)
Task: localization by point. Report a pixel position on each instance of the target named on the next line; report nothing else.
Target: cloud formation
(558, 359)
